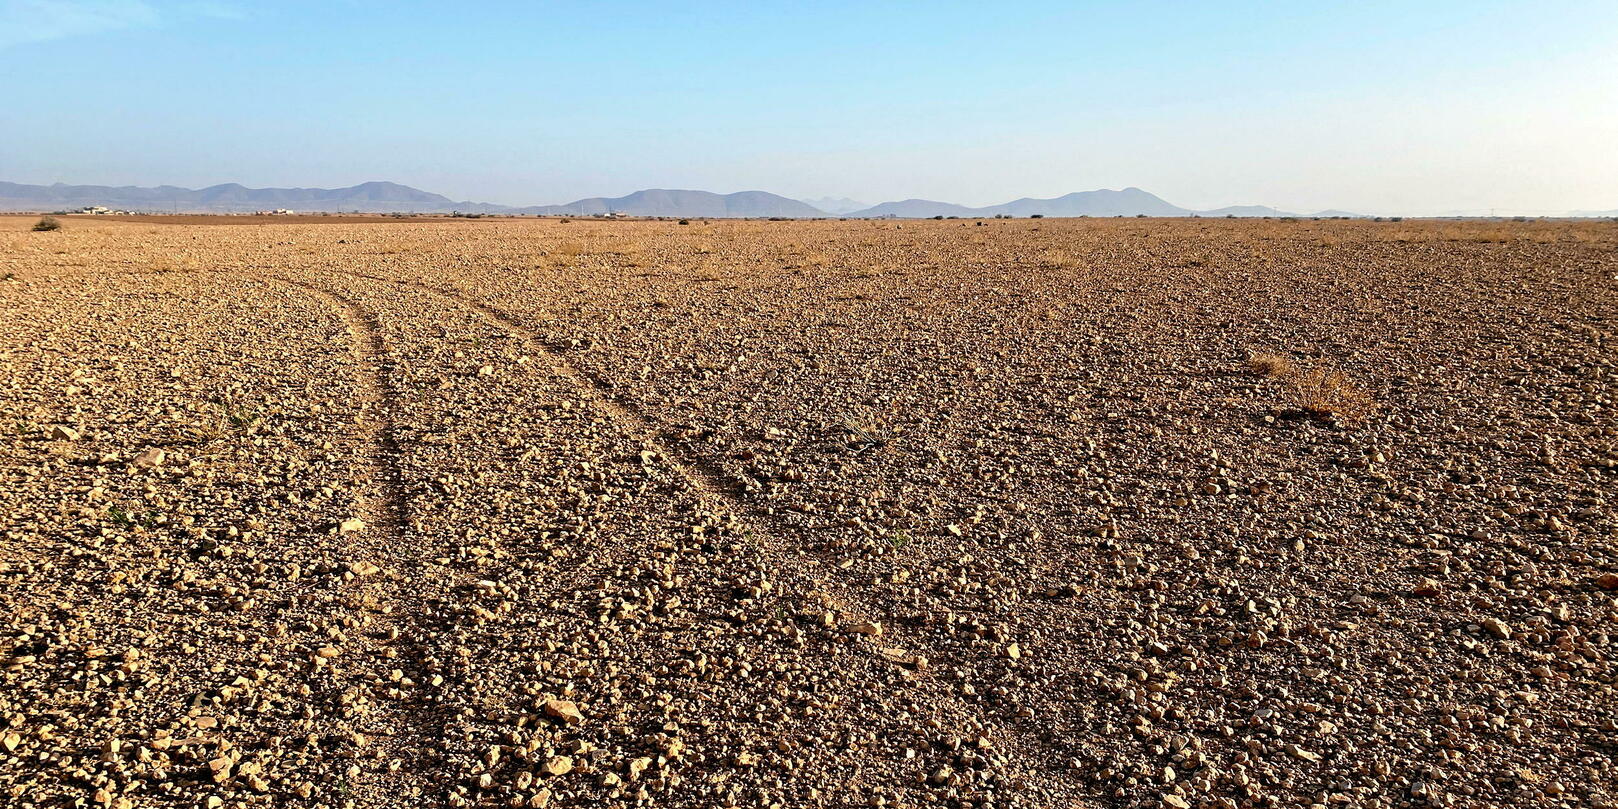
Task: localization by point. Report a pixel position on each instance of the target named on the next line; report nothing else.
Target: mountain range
(385, 197)
(226, 198)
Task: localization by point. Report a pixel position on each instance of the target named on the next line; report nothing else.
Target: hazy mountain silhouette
(226, 198)
(1104, 202)
(385, 197)
(666, 202)
(915, 209)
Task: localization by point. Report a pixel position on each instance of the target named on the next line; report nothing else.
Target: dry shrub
(48, 223)
(1269, 365)
(1329, 392)
(1057, 260)
(1320, 392)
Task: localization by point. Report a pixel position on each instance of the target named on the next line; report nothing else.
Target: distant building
(94, 209)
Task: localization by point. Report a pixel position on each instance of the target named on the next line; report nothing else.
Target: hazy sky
(1380, 107)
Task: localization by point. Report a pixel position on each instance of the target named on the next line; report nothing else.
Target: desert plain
(989, 514)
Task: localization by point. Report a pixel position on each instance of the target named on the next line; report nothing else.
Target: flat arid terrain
(1012, 513)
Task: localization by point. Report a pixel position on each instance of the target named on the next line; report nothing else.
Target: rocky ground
(1027, 513)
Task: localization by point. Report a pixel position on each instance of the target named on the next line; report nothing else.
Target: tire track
(809, 574)
(405, 732)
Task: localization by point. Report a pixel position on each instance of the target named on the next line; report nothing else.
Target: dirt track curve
(788, 514)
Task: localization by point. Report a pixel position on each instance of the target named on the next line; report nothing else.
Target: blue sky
(1412, 107)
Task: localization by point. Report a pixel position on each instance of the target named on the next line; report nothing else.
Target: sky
(1431, 107)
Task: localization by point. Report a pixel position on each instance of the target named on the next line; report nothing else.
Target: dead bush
(1319, 392)
(48, 223)
(1269, 365)
(1328, 392)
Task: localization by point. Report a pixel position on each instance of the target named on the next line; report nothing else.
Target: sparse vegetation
(1319, 392)
(863, 431)
(48, 223)
(1329, 392)
(1274, 366)
(669, 485)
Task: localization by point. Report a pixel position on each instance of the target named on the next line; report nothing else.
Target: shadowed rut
(280, 534)
(811, 574)
(393, 641)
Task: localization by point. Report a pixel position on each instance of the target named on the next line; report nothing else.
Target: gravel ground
(1019, 513)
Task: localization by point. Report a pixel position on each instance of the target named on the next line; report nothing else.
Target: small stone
(61, 433)
(540, 799)
(865, 628)
(638, 766)
(363, 568)
(563, 710)
(351, 525)
(1498, 628)
(1301, 754)
(150, 458)
(1427, 588)
(558, 765)
(1176, 801)
(1607, 581)
(221, 768)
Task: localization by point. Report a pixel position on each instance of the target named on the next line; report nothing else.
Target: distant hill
(836, 205)
(375, 197)
(664, 202)
(1104, 202)
(385, 197)
(915, 209)
(1598, 214)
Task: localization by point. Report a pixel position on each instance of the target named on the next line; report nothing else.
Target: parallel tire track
(811, 575)
(410, 733)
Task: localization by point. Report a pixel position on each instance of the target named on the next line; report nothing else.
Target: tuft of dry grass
(1057, 260)
(1329, 392)
(1320, 392)
(1270, 365)
(48, 223)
